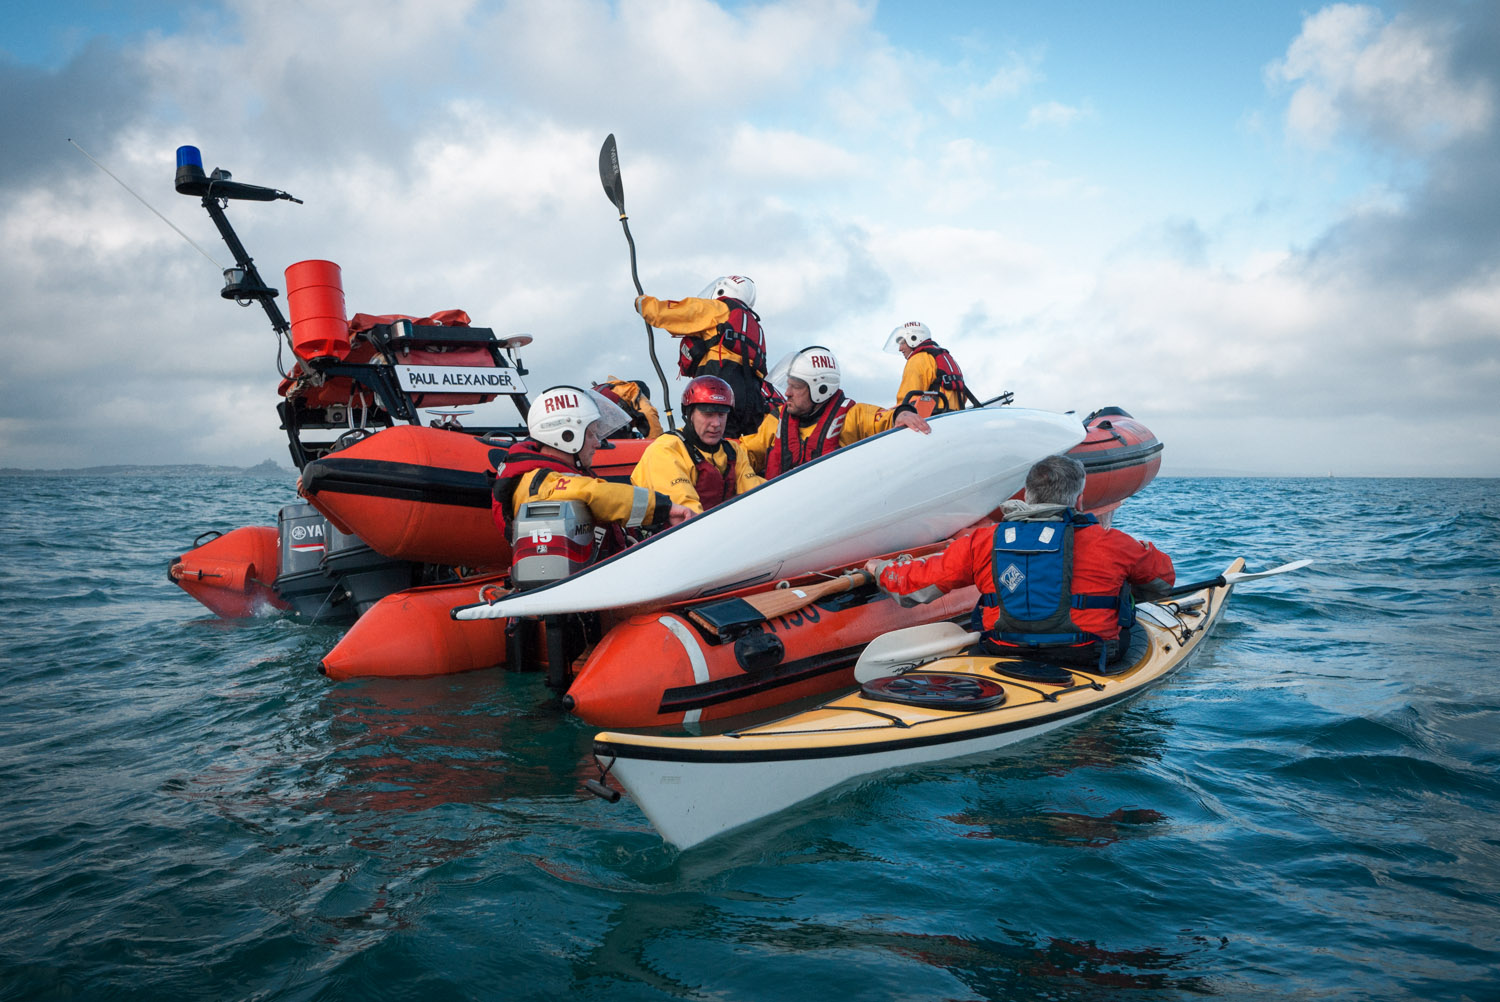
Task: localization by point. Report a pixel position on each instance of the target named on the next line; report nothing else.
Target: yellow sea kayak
(694, 788)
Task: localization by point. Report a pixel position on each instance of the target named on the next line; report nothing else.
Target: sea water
(1307, 811)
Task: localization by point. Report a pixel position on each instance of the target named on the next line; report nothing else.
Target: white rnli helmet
(816, 367)
(911, 334)
(730, 287)
(560, 416)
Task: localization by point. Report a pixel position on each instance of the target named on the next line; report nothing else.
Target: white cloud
(1055, 113)
(1351, 71)
(450, 161)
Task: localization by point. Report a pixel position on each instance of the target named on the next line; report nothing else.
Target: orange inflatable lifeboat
(709, 660)
(234, 573)
(423, 494)
(1120, 456)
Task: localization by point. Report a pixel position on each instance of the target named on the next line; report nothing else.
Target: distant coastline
(269, 468)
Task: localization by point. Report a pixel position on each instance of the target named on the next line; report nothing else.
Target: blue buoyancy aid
(1032, 582)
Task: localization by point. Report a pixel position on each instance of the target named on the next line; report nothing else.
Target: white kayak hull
(694, 788)
(896, 490)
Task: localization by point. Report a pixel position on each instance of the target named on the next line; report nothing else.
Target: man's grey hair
(1055, 480)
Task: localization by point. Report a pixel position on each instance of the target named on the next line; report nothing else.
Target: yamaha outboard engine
(366, 575)
(302, 536)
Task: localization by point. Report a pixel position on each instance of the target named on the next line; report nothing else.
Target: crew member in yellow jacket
(931, 380)
(720, 336)
(817, 418)
(553, 465)
(697, 467)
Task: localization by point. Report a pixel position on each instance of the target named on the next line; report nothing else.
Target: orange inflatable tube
(233, 574)
(423, 494)
(410, 633)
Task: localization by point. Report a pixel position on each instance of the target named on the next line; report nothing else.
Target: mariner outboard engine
(549, 541)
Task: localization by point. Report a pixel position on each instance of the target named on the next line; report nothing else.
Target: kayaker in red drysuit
(1049, 578)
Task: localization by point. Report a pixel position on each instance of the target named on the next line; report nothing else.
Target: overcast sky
(1270, 230)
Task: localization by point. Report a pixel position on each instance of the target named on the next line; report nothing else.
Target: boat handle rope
(597, 786)
(491, 593)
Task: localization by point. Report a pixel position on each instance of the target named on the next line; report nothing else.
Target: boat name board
(449, 378)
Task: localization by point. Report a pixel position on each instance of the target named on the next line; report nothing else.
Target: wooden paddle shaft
(780, 601)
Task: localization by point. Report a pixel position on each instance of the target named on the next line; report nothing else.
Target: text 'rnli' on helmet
(560, 416)
(816, 367)
(708, 391)
(911, 334)
(730, 287)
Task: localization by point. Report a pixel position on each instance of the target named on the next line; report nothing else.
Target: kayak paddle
(890, 651)
(614, 188)
(1228, 579)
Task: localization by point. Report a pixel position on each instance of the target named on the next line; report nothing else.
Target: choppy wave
(1308, 810)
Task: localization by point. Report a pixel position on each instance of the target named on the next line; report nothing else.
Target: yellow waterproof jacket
(635, 403)
(668, 467)
(860, 422)
(610, 503)
(691, 317)
(919, 376)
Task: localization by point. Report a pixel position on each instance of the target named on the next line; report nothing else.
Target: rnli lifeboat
(411, 633)
(396, 531)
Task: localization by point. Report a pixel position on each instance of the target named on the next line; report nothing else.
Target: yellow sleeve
(920, 371)
(619, 504)
(667, 468)
(757, 445)
(745, 477)
(863, 420)
(690, 317)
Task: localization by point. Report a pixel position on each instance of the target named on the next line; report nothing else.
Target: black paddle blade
(609, 173)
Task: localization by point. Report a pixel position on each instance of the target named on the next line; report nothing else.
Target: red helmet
(710, 391)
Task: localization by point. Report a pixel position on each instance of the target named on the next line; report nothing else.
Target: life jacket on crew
(949, 378)
(630, 397)
(520, 459)
(740, 333)
(1030, 588)
(790, 450)
(525, 458)
(712, 486)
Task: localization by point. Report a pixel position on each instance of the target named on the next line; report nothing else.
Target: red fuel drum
(232, 574)
(422, 494)
(315, 299)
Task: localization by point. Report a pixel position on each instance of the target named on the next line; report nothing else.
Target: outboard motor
(302, 536)
(549, 541)
(366, 575)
